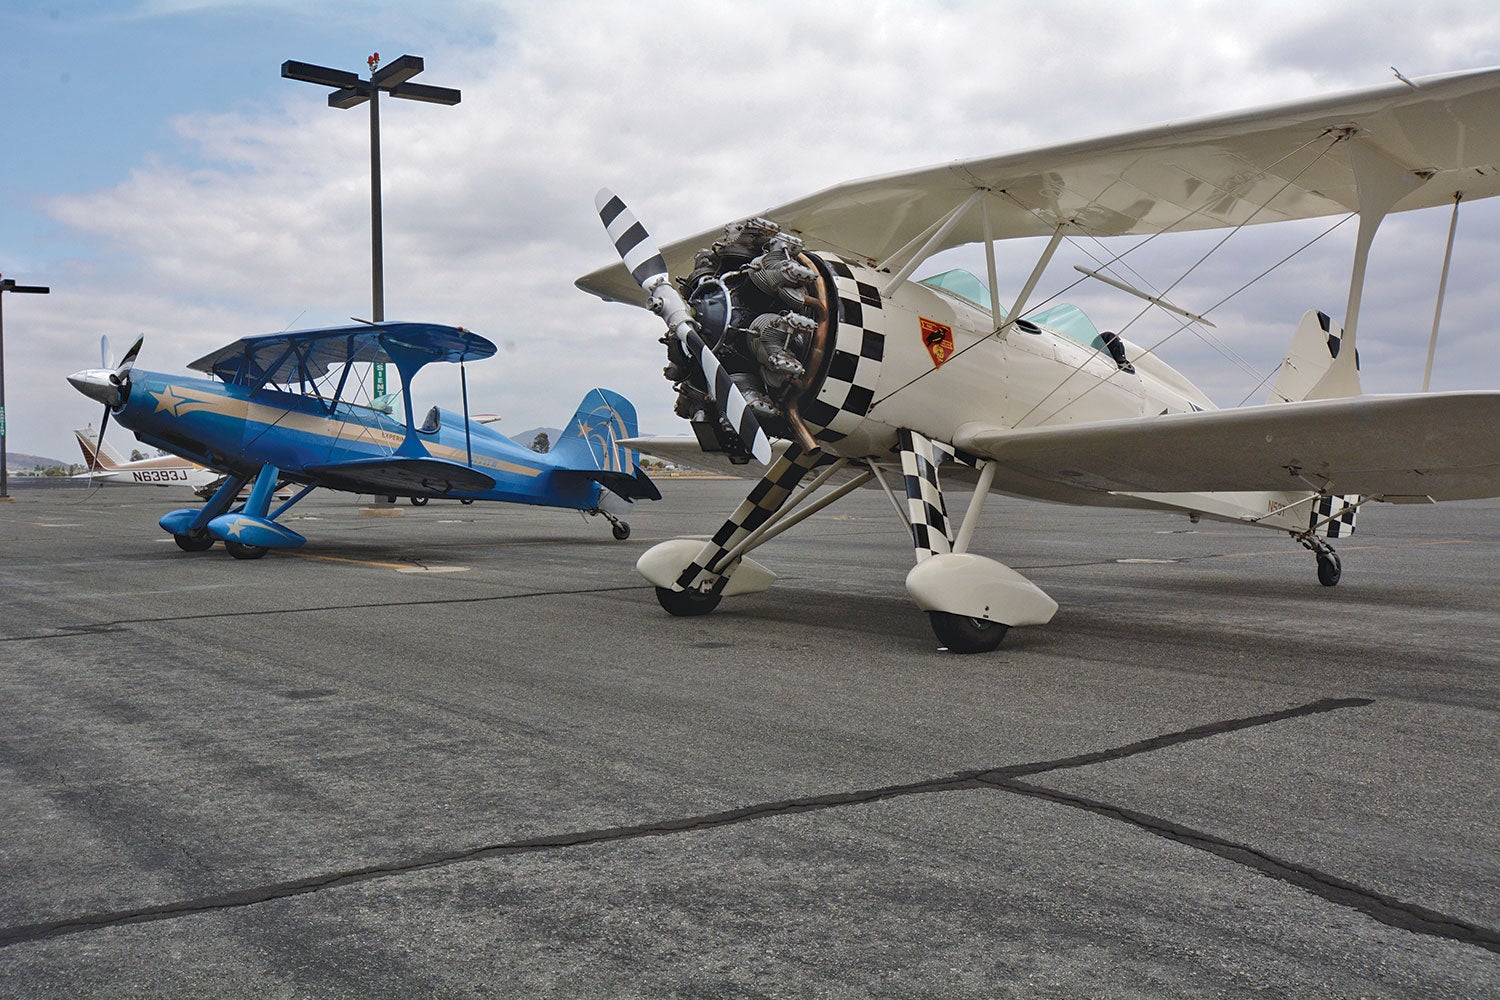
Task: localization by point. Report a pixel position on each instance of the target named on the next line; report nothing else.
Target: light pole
(8, 285)
(350, 91)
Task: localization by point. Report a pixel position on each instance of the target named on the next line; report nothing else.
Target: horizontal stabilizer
(1445, 446)
(400, 476)
(622, 484)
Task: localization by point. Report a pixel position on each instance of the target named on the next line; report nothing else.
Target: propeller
(649, 270)
(110, 386)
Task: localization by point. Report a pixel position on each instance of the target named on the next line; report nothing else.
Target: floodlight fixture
(351, 91)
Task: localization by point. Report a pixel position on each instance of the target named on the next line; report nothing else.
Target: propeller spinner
(110, 386)
(649, 270)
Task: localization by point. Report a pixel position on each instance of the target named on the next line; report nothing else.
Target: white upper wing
(1201, 174)
(1445, 446)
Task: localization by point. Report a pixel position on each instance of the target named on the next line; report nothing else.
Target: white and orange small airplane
(106, 465)
(799, 339)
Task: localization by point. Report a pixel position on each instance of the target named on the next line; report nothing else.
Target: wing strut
(1036, 275)
(1437, 312)
(1380, 182)
(937, 238)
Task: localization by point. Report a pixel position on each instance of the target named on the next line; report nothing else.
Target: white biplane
(798, 338)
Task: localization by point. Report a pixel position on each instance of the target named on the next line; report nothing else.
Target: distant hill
(524, 438)
(16, 461)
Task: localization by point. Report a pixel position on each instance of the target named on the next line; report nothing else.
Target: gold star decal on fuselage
(168, 399)
(180, 402)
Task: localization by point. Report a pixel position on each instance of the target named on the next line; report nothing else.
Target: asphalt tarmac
(460, 752)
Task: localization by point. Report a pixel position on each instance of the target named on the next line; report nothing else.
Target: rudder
(590, 444)
(1315, 346)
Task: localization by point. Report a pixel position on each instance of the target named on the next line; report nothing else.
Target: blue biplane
(275, 412)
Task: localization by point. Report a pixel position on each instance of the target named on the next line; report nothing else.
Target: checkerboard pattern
(859, 348)
(769, 495)
(930, 532)
(1333, 516)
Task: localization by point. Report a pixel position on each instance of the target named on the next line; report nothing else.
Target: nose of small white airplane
(97, 384)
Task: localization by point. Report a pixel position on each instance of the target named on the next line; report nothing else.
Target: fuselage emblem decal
(938, 338)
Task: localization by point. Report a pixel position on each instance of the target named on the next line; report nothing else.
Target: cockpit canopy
(1066, 319)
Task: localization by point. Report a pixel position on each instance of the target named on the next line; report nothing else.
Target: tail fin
(108, 458)
(1315, 345)
(590, 444)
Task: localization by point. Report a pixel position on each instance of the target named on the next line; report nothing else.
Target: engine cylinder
(799, 332)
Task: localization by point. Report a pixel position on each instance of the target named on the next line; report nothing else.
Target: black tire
(242, 551)
(194, 543)
(419, 501)
(1329, 569)
(686, 603)
(621, 531)
(466, 501)
(962, 634)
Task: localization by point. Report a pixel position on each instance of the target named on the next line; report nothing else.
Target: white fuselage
(1028, 376)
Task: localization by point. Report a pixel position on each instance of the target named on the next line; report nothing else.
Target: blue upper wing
(307, 354)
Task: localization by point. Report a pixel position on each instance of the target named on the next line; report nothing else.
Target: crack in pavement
(121, 624)
(1386, 909)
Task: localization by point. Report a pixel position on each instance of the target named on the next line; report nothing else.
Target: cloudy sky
(164, 180)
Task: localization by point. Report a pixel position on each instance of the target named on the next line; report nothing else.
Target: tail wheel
(419, 501)
(1329, 569)
(621, 531)
(686, 603)
(194, 543)
(962, 634)
(242, 551)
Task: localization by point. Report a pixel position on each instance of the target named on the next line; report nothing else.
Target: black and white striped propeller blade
(649, 269)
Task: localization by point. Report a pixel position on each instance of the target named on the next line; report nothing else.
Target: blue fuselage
(229, 428)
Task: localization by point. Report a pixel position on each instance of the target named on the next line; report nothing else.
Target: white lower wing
(1442, 446)
(688, 452)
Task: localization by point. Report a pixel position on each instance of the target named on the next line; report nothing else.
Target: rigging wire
(1183, 277)
(1050, 224)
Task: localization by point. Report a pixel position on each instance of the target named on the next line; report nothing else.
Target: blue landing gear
(242, 551)
(194, 543)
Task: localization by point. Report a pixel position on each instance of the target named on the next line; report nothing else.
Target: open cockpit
(1065, 318)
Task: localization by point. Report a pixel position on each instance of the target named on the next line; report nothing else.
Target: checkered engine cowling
(844, 395)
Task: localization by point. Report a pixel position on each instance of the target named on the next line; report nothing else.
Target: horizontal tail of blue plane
(589, 445)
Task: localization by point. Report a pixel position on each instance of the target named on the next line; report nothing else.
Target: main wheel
(194, 543)
(419, 501)
(466, 501)
(1329, 569)
(962, 634)
(686, 603)
(242, 551)
(621, 531)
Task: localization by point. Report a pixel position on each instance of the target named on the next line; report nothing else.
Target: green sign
(2, 421)
(379, 378)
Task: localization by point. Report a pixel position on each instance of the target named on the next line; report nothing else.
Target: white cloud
(697, 113)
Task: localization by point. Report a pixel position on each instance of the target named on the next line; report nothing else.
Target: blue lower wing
(399, 475)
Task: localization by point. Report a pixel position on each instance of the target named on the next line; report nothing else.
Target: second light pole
(350, 91)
